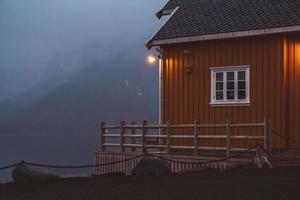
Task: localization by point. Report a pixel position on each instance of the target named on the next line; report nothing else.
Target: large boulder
(149, 166)
(24, 174)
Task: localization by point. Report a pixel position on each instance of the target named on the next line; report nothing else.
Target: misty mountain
(62, 127)
(34, 32)
(117, 88)
(59, 69)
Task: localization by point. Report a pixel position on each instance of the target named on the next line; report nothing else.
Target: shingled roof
(194, 20)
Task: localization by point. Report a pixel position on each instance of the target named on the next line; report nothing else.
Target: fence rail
(165, 138)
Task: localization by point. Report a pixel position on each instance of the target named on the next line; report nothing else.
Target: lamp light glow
(151, 59)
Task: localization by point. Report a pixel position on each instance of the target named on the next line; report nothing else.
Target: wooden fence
(177, 163)
(129, 140)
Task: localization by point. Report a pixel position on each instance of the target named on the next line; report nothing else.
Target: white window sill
(237, 103)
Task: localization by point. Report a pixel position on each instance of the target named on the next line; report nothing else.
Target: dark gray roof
(205, 17)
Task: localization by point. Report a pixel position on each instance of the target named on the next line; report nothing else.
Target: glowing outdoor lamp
(151, 59)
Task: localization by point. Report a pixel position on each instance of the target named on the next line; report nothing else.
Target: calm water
(63, 149)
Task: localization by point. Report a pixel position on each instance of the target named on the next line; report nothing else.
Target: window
(230, 85)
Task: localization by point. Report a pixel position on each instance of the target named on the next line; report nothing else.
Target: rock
(151, 167)
(24, 174)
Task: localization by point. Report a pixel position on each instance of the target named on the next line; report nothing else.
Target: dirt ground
(238, 184)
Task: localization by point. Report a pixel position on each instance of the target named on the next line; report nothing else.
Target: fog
(33, 31)
(65, 65)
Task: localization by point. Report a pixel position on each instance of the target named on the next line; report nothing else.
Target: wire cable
(81, 166)
(130, 159)
(10, 166)
(69, 166)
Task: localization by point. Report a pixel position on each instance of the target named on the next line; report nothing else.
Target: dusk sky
(34, 31)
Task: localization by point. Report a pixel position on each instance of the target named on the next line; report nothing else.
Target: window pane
(242, 85)
(219, 76)
(230, 76)
(230, 85)
(230, 94)
(241, 75)
(219, 86)
(242, 94)
(219, 95)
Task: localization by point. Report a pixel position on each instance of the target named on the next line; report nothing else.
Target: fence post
(228, 128)
(132, 138)
(144, 133)
(270, 136)
(266, 133)
(196, 133)
(168, 142)
(102, 129)
(122, 139)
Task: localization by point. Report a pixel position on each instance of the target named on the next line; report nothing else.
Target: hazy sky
(33, 31)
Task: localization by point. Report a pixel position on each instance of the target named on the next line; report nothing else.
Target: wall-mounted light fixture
(151, 59)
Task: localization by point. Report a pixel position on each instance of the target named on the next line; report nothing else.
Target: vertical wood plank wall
(186, 95)
(292, 67)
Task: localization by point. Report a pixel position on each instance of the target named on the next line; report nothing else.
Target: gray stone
(149, 166)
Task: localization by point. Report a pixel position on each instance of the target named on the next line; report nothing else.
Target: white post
(160, 87)
(160, 96)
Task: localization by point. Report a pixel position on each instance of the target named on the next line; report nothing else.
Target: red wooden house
(229, 78)
(232, 59)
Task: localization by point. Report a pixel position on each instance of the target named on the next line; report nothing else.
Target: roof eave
(224, 35)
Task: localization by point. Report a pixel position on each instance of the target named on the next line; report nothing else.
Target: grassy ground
(238, 184)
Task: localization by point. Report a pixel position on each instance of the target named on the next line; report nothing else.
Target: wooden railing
(164, 140)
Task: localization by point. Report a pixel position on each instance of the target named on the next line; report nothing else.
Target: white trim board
(224, 68)
(225, 35)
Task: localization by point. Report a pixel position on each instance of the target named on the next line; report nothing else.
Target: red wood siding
(292, 68)
(186, 96)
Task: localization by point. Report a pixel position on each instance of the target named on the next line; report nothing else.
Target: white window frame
(235, 101)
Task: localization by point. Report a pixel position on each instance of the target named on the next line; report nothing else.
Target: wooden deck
(129, 141)
(162, 137)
